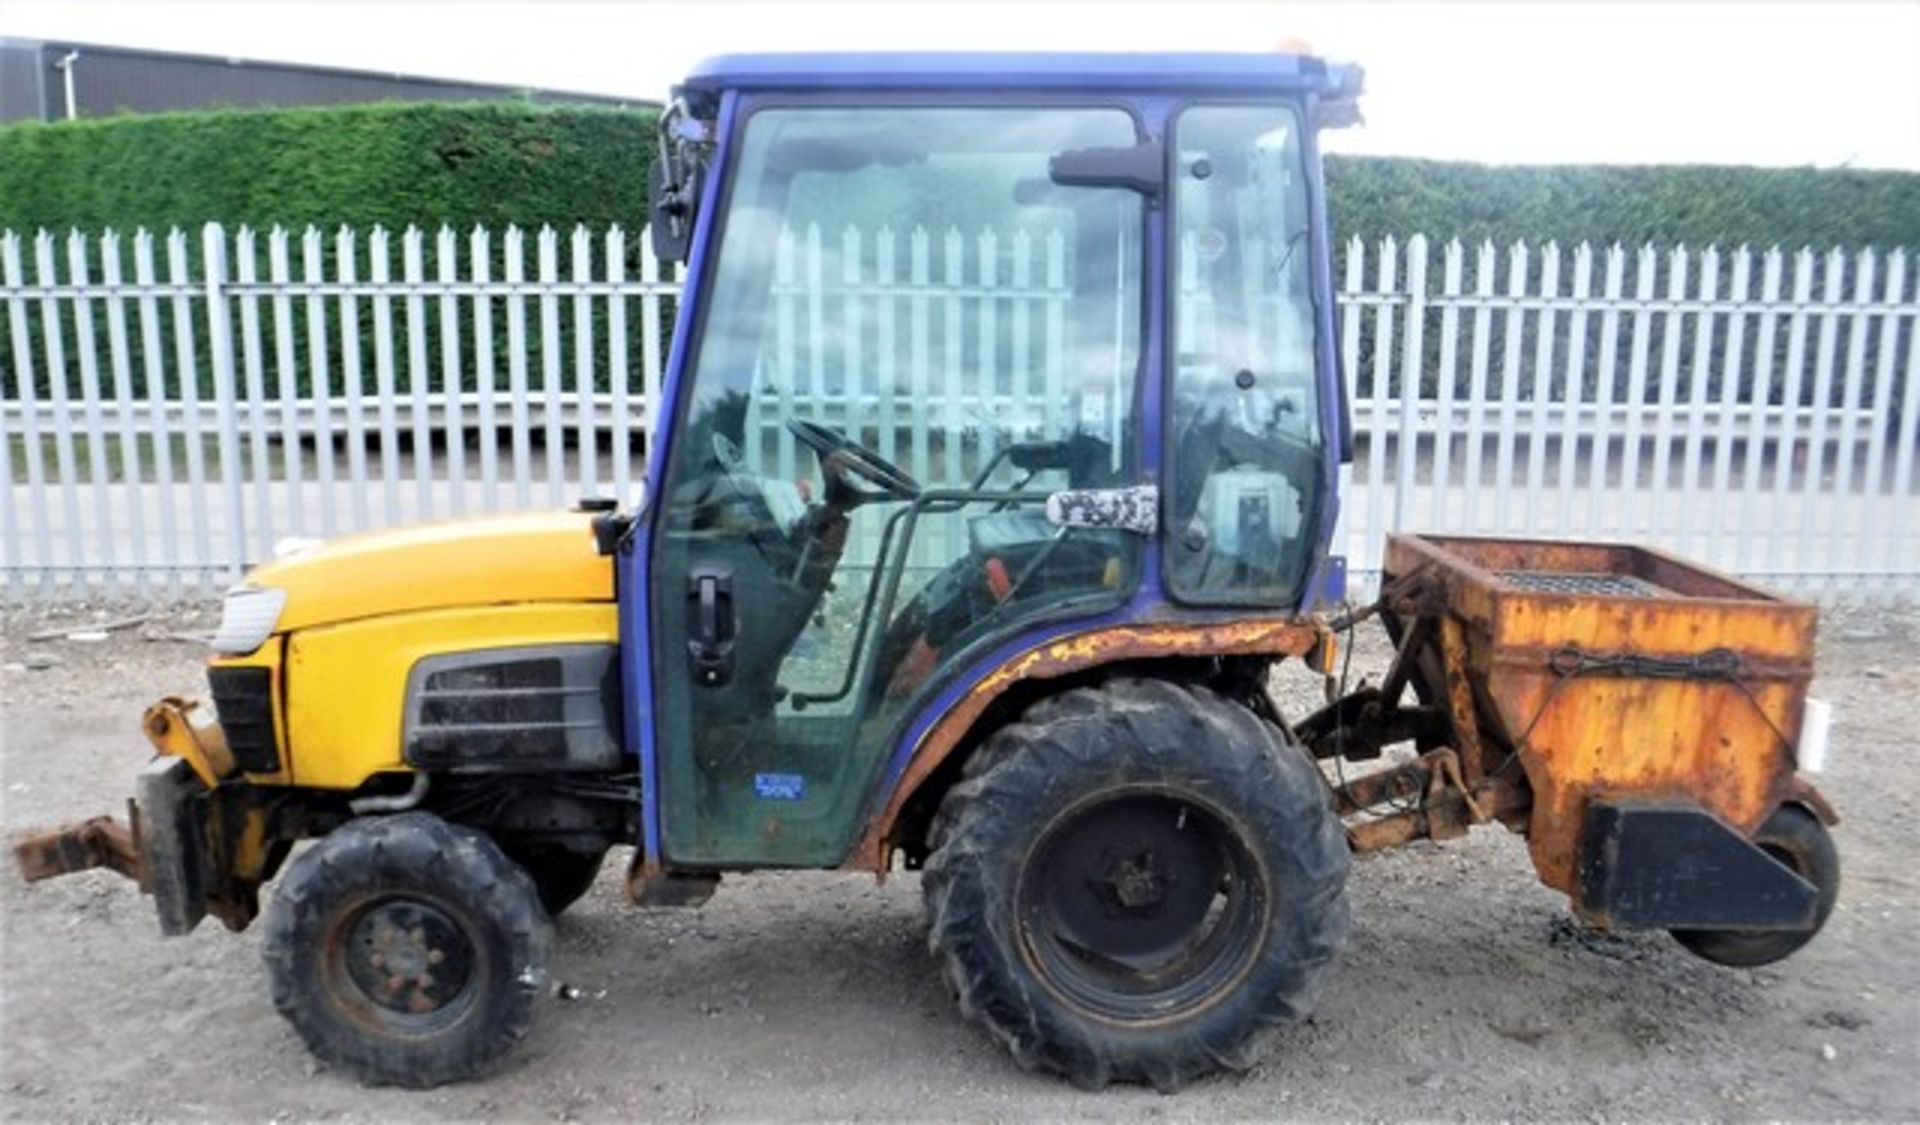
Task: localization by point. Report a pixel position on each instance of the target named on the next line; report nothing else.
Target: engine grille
(553, 706)
(243, 698)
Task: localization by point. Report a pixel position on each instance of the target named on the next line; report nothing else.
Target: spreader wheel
(1133, 881)
(407, 950)
(1796, 838)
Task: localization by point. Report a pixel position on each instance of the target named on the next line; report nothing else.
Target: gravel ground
(1467, 991)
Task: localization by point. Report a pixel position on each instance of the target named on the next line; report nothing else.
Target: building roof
(108, 79)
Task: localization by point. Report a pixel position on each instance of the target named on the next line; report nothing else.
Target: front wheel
(1795, 837)
(1134, 881)
(407, 950)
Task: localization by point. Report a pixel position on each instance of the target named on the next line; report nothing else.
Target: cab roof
(1145, 72)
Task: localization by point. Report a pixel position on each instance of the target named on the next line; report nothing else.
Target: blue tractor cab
(1152, 439)
(1033, 543)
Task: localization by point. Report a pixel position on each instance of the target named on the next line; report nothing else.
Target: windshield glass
(846, 208)
(1244, 460)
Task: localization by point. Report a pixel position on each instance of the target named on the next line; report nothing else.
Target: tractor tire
(406, 950)
(1133, 882)
(560, 874)
(1796, 838)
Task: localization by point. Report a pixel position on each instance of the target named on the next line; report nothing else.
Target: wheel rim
(407, 964)
(1141, 907)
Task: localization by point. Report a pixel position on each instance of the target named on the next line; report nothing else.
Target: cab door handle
(711, 626)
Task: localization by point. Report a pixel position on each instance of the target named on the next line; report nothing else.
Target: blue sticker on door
(780, 786)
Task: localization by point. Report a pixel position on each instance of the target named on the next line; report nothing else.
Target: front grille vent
(550, 707)
(243, 698)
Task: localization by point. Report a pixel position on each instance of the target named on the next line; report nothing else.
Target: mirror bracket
(1140, 167)
(675, 183)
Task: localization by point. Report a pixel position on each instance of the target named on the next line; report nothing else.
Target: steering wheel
(726, 452)
(842, 458)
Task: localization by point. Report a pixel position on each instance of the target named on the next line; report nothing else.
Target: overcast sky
(1625, 82)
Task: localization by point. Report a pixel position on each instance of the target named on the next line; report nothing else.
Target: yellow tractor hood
(544, 557)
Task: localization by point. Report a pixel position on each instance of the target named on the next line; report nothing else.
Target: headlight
(247, 618)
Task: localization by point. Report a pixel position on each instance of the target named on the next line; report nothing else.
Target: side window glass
(1244, 451)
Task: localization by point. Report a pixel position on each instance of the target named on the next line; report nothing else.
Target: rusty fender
(1063, 657)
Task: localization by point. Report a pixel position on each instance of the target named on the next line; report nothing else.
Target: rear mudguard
(1070, 655)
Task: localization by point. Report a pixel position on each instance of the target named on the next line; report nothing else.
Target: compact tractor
(1035, 668)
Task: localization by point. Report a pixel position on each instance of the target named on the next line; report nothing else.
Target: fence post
(53, 343)
(186, 368)
(213, 244)
(1443, 431)
(24, 393)
(1386, 283)
(1407, 449)
(1359, 548)
(87, 350)
(618, 362)
(319, 376)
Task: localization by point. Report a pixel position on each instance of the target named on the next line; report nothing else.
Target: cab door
(908, 339)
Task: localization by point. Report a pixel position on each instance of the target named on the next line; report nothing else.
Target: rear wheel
(1134, 881)
(1796, 838)
(406, 950)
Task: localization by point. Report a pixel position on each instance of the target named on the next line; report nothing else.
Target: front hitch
(195, 839)
(163, 847)
(101, 841)
(185, 736)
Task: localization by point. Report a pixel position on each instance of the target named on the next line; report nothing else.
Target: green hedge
(498, 163)
(393, 164)
(1695, 205)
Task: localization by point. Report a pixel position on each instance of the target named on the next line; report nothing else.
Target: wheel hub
(1131, 879)
(1136, 882)
(409, 957)
(1139, 904)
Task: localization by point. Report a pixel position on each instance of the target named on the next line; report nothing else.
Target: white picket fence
(1755, 410)
(174, 406)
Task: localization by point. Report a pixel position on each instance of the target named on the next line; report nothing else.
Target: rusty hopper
(1635, 716)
